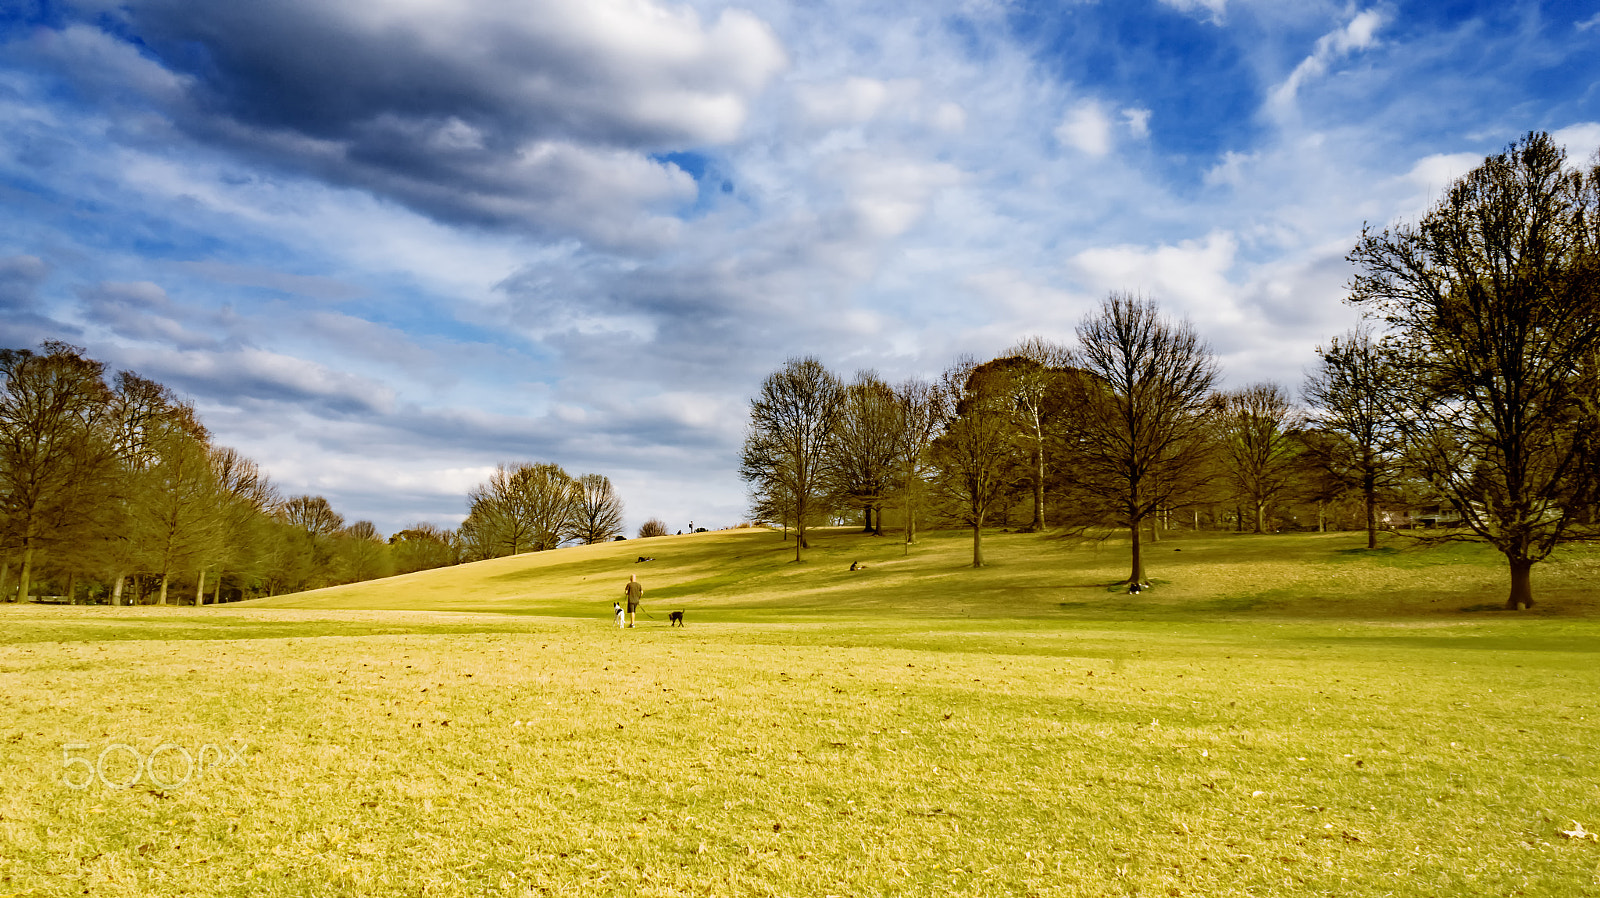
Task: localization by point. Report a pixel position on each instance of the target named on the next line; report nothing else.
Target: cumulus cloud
(1582, 141)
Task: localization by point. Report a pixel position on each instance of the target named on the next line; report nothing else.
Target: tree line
(112, 490)
(1470, 392)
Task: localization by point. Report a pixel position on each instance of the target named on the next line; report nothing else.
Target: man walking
(634, 591)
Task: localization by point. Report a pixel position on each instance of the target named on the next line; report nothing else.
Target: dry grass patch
(539, 757)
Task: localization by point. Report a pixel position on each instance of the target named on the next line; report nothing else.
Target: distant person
(634, 592)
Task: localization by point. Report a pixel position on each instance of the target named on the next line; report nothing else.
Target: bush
(653, 527)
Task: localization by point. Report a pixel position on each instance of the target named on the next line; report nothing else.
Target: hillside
(751, 574)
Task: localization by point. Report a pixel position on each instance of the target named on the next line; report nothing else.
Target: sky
(384, 245)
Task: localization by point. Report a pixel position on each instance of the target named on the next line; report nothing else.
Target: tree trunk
(867, 522)
(1261, 516)
(1521, 583)
(116, 590)
(911, 521)
(1370, 498)
(200, 589)
(1038, 488)
(977, 543)
(1155, 528)
(72, 587)
(25, 575)
(163, 599)
(1322, 516)
(1136, 578)
(5, 574)
(216, 598)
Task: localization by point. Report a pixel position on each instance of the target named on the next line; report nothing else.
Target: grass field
(1285, 715)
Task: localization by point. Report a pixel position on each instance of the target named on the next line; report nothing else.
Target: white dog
(618, 609)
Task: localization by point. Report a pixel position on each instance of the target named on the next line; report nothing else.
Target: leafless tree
(791, 427)
(921, 410)
(862, 469)
(974, 458)
(1138, 421)
(653, 527)
(1352, 395)
(1493, 303)
(1257, 426)
(597, 515)
(524, 507)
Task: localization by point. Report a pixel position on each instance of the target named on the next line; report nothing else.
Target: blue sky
(385, 245)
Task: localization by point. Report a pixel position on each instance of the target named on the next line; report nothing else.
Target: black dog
(675, 618)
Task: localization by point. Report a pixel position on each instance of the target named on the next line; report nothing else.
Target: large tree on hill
(1139, 429)
(528, 506)
(786, 449)
(1493, 303)
(597, 512)
(1258, 426)
(1352, 395)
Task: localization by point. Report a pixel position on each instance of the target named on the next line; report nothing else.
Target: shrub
(653, 527)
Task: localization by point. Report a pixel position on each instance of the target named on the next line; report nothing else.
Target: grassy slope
(745, 575)
(1284, 716)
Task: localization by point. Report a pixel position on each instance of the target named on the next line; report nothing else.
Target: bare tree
(921, 410)
(862, 468)
(1493, 300)
(974, 458)
(652, 527)
(524, 507)
(791, 427)
(597, 514)
(1257, 426)
(312, 514)
(1352, 394)
(1138, 421)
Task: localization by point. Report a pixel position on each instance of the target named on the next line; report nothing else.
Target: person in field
(634, 592)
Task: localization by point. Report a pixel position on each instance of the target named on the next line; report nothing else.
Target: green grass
(913, 729)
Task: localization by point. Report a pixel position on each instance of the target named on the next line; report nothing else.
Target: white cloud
(1213, 8)
(1187, 278)
(1582, 140)
(950, 118)
(1086, 128)
(1360, 33)
(1591, 22)
(1138, 121)
(852, 102)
